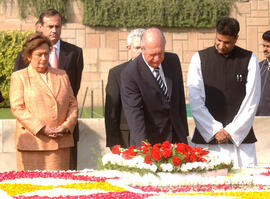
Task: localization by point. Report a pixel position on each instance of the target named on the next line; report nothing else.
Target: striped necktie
(161, 83)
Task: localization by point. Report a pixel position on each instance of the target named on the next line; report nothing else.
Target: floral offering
(164, 157)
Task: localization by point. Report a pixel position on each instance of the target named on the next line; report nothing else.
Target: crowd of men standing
(224, 87)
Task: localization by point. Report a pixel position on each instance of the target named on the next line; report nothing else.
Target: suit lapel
(55, 81)
(37, 80)
(39, 83)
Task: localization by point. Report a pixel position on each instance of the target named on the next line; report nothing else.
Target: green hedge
(11, 44)
(36, 7)
(137, 13)
(163, 13)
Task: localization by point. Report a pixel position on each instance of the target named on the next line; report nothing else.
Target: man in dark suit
(69, 58)
(117, 131)
(264, 105)
(155, 110)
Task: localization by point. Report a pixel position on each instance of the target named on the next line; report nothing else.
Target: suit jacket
(117, 131)
(264, 105)
(70, 60)
(35, 105)
(149, 114)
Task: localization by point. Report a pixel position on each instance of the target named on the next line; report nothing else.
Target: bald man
(153, 93)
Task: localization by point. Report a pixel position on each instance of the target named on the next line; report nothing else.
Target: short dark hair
(228, 26)
(266, 35)
(33, 41)
(48, 13)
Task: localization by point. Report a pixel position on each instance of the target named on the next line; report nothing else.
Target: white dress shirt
(243, 155)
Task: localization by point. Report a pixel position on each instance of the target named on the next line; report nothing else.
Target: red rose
(115, 149)
(145, 150)
(129, 153)
(147, 159)
(180, 147)
(186, 159)
(176, 161)
(193, 157)
(201, 159)
(157, 145)
(166, 145)
(189, 148)
(155, 153)
(199, 151)
(131, 147)
(166, 153)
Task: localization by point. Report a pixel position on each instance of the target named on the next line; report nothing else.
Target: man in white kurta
(225, 138)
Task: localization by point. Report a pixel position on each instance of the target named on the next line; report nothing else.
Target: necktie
(54, 58)
(161, 83)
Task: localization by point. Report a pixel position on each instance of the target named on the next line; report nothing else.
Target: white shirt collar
(57, 45)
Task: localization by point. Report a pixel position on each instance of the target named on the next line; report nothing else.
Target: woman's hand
(60, 131)
(54, 132)
(46, 130)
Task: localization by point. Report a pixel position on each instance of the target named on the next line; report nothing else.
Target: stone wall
(105, 47)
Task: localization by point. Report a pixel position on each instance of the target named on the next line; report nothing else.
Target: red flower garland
(165, 152)
(41, 174)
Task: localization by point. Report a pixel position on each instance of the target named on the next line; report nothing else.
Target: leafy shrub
(11, 44)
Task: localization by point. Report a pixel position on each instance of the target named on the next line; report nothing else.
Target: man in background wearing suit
(264, 105)
(69, 58)
(117, 131)
(152, 93)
